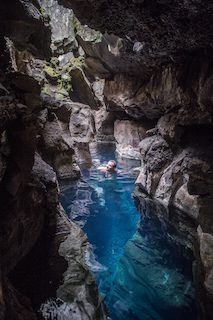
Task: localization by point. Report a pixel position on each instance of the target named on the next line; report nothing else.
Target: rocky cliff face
(42, 254)
(167, 78)
(150, 75)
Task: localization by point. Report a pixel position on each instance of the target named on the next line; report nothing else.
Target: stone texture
(175, 190)
(128, 135)
(129, 132)
(164, 92)
(77, 281)
(81, 89)
(62, 26)
(164, 72)
(57, 152)
(166, 30)
(22, 23)
(81, 124)
(206, 249)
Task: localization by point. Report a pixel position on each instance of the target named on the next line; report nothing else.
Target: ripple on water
(133, 268)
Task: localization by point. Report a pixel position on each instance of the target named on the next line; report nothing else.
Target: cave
(106, 160)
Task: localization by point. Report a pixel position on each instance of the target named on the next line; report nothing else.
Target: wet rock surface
(57, 151)
(128, 135)
(33, 227)
(154, 61)
(165, 30)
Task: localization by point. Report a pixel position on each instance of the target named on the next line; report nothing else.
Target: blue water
(137, 273)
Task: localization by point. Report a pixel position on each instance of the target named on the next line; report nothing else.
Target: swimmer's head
(111, 165)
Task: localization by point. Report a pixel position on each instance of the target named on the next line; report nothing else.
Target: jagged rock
(155, 152)
(94, 66)
(62, 26)
(186, 202)
(81, 124)
(77, 280)
(150, 99)
(57, 152)
(104, 56)
(81, 89)
(169, 129)
(22, 23)
(128, 135)
(60, 247)
(82, 151)
(173, 226)
(118, 91)
(63, 112)
(167, 30)
(104, 124)
(129, 132)
(206, 254)
(164, 92)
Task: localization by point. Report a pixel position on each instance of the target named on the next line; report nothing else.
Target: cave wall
(167, 77)
(155, 65)
(42, 254)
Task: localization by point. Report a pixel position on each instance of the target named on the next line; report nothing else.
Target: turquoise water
(139, 275)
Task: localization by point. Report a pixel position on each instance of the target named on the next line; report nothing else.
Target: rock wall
(167, 77)
(154, 61)
(42, 254)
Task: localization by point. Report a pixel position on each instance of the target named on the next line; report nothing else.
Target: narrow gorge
(83, 82)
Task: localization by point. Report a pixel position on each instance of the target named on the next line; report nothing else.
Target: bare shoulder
(102, 169)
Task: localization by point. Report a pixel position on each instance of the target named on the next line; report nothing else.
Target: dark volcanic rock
(57, 151)
(166, 29)
(22, 22)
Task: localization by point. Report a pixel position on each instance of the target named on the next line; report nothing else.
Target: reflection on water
(137, 272)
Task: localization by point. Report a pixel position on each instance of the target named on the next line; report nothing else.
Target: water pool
(136, 273)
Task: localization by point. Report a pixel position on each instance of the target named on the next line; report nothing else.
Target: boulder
(81, 124)
(169, 128)
(128, 135)
(61, 20)
(57, 152)
(81, 89)
(77, 293)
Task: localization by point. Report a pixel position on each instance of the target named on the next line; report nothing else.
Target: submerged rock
(155, 288)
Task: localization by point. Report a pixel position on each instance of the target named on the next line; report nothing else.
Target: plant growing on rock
(51, 73)
(65, 82)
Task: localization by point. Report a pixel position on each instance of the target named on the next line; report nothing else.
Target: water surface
(138, 273)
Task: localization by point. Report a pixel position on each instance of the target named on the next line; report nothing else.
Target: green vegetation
(60, 79)
(78, 62)
(98, 37)
(65, 82)
(44, 14)
(51, 72)
(86, 33)
(44, 89)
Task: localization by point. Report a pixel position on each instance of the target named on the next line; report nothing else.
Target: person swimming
(110, 167)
